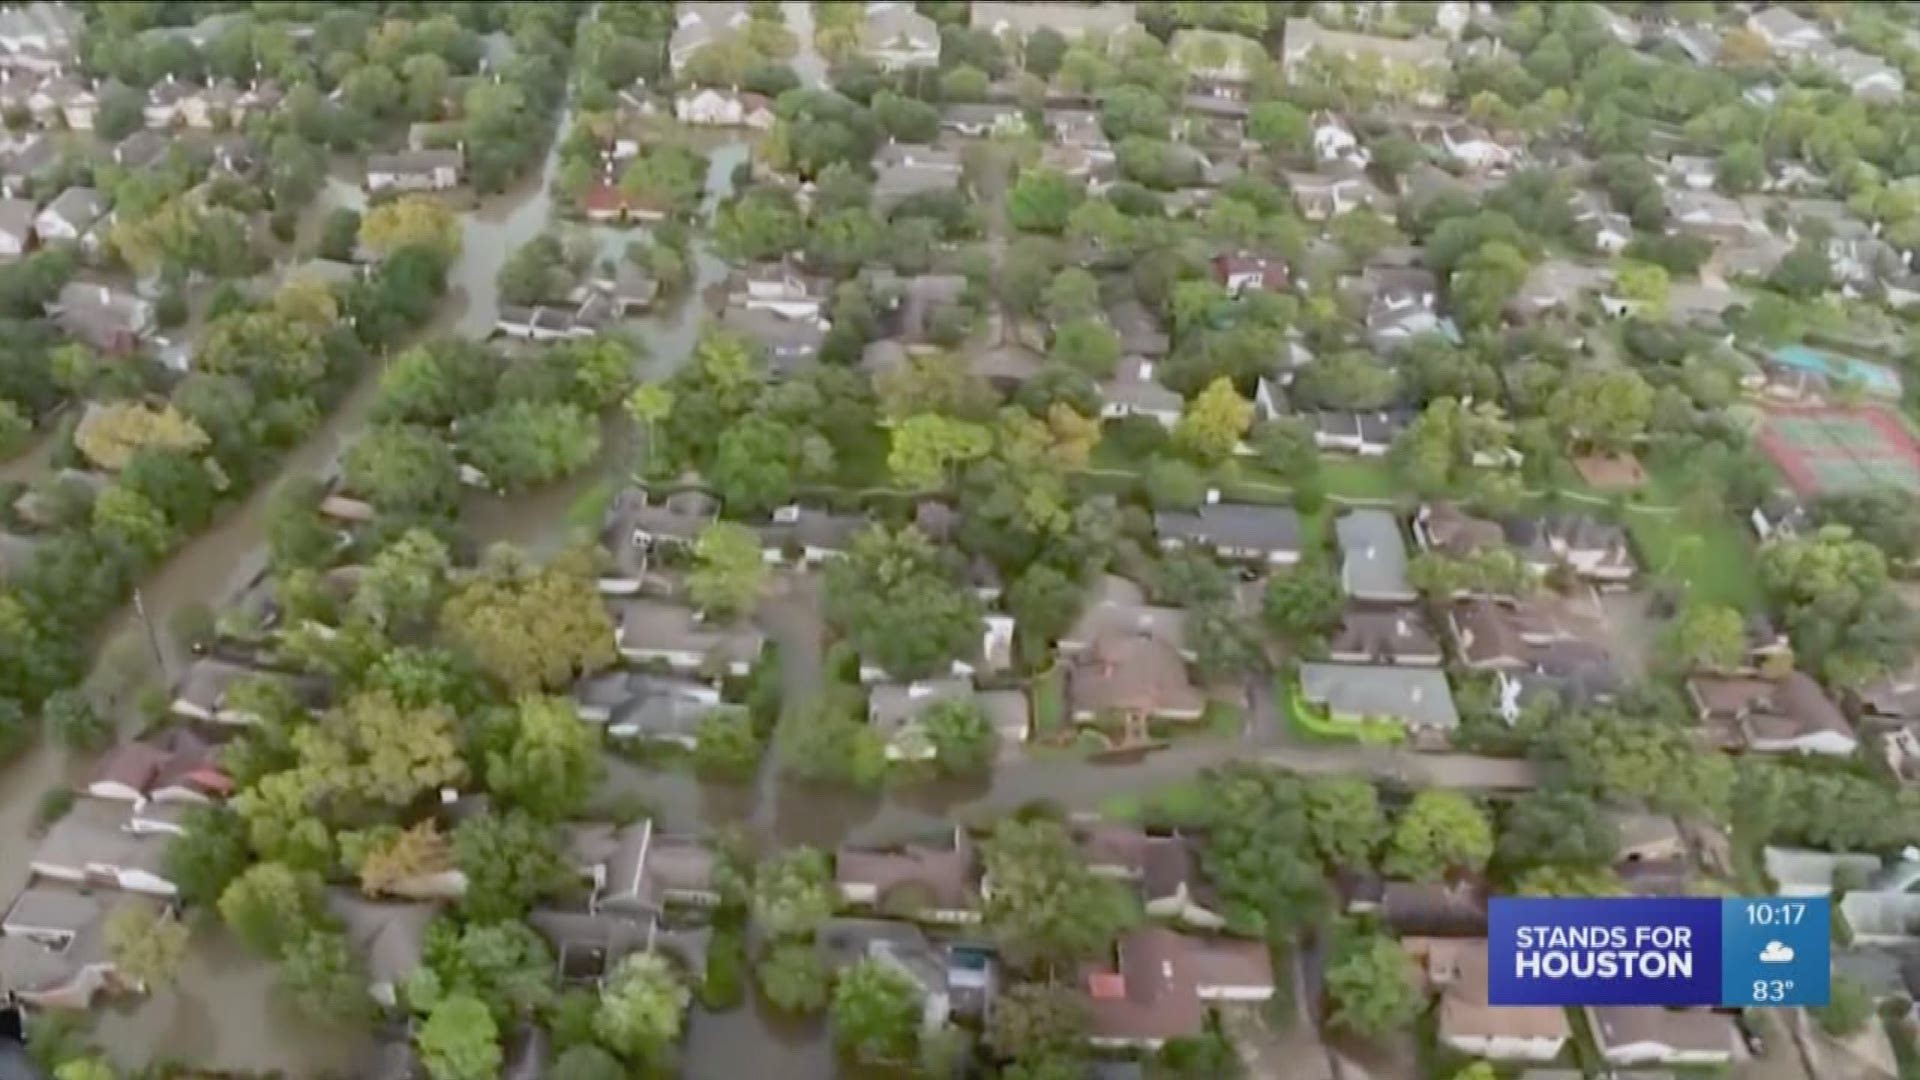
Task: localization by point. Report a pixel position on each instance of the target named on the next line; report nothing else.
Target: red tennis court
(1833, 448)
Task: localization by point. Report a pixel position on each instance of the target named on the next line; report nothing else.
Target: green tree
(147, 946)
(794, 979)
(459, 1040)
(1483, 282)
(641, 1010)
(1438, 832)
(1034, 1022)
(522, 444)
(411, 221)
(1260, 853)
(729, 572)
(1645, 283)
(1086, 345)
(403, 468)
(1345, 821)
(587, 1062)
(506, 965)
(793, 893)
(924, 449)
(1212, 424)
(531, 628)
(1602, 408)
(1304, 603)
(208, 854)
(1565, 828)
(510, 860)
(324, 975)
(1849, 1006)
(73, 722)
(1370, 985)
(1280, 126)
(1042, 201)
(964, 740)
(548, 759)
(269, 907)
(900, 606)
(726, 745)
(1046, 905)
(876, 1014)
(1708, 635)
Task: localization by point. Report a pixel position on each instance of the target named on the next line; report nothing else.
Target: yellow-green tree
(1213, 423)
(411, 221)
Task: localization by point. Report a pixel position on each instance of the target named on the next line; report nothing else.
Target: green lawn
(1358, 478)
(1311, 723)
(1711, 556)
(1049, 694)
(1184, 802)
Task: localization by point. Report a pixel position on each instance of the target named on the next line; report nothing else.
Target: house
(634, 870)
(1868, 76)
(1646, 837)
(1649, 1036)
(415, 170)
(1320, 196)
(1239, 531)
(1445, 529)
(1135, 676)
(1775, 716)
(896, 37)
(1427, 57)
(1591, 548)
(1556, 285)
(1701, 44)
(1133, 392)
(1071, 21)
(709, 107)
(788, 345)
(29, 160)
(1367, 434)
(1489, 635)
(1452, 909)
(636, 527)
(389, 936)
(699, 25)
(1218, 63)
(1077, 129)
(39, 36)
(1163, 982)
(1174, 888)
(1713, 215)
(106, 318)
(813, 534)
(1784, 31)
(1140, 331)
(1695, 172)
(896, 711)
(1456, 972)
(62, 99)
(903, 170)
(651, 631)
(16, 227)
(939, 884)
(1393, 636)
(1474, 148)
(54, 952)
(777, 287)
(1118, 606)
(1334, 142)
(1242, 270)
(70, 216)
(167, 100)
(1795, 872)
(179, 767)
(1417, 699)
(910, 308)
(91, 847)
(605, 202)
(977, 121)
(1401, 303)
(635, 705)
(1607, 229)
(1373, 557)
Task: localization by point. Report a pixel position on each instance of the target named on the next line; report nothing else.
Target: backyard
(1312, 722)
(1708, 554)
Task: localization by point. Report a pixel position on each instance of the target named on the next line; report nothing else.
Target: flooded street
(807, 63)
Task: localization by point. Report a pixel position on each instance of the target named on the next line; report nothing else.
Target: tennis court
(1829, 449)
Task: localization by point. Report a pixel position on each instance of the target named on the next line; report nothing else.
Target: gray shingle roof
(1418, 697)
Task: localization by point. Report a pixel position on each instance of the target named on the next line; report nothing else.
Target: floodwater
(807, 63)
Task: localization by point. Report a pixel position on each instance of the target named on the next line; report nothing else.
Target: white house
(708, 107)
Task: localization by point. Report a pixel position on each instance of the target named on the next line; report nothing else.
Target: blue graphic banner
(1671, 951)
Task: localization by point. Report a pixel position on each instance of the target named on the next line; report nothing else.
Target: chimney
(1146, 371)
(1400, 627)
(1213, 496)
(104, 296)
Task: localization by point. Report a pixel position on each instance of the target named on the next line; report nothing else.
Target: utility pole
(153, 639)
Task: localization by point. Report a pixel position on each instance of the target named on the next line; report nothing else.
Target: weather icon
(1776, 953)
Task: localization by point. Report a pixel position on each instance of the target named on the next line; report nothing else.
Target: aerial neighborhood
(948, 539)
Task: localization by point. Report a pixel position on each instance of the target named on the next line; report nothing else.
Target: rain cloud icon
(1776, 953)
